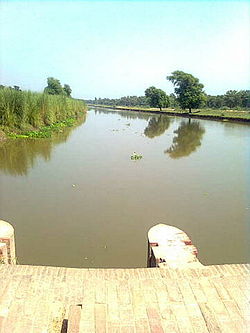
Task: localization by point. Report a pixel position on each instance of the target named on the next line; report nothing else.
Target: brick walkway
(52, 300)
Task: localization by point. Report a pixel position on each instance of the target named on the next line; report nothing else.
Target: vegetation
(157, 98)
(54, 87)
(232, 99)
(135, 156)
(189, 95)
(124, 101)
(25, 111)
(188, 89)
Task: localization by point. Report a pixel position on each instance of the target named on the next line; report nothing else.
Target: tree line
(53, 87)
(188, 94)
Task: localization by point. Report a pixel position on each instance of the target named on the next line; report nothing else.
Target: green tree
(244, 98)
(232, 98)
(157, 126)
(67, 90)
(54, 87)
(17, 88)
(157, 98)
(187, 140)
(188, 89)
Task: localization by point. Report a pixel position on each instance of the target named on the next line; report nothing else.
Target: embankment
(212, 114)
(26, 113)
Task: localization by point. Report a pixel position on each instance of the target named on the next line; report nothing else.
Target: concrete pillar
(7, 243)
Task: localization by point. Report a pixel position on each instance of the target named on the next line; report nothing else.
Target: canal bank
(219, 115)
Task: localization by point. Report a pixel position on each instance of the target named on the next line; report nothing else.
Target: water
(78, 200)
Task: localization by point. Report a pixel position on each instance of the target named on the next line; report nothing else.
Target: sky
(120, 48)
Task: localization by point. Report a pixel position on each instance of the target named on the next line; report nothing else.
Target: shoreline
(7, 133)
(201, 114)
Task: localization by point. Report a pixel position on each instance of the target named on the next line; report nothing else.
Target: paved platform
(54, 300)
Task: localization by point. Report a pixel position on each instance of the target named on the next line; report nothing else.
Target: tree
(157, 98)
(188, 138)
(232, 98)
(244, 98)
(54, 87)
(17, 88)
(188, 89)
(67, 90)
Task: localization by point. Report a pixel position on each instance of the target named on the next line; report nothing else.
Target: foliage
(21, 108)
(135, 156)
(188, 138)
(157, 126)
(157, 97)
(54, 87)
(233, 99)
(188, 89)
(131, 101)
(67, 90)
(45, 131)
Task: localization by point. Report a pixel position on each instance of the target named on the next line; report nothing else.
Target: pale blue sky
(117, 48)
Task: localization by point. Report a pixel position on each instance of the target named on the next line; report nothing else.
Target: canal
(78, 200)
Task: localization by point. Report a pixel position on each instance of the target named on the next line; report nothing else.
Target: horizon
(110, 49)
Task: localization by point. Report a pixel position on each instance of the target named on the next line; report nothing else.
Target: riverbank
(42, 132)
(37, 115)
(223, 115)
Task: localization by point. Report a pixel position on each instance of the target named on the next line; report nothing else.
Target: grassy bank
(29, 114)
(214, 114)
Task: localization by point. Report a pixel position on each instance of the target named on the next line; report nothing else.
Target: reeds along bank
(18, 108)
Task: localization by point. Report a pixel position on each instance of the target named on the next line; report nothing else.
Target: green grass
(206, 113)
(31, 114)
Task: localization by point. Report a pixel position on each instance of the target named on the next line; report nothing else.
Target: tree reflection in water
(157, 126)
(187, 140)
(18, 155)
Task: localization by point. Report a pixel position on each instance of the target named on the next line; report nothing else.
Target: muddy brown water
(78, 200)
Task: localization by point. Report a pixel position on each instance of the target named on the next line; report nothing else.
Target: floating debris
(128, 124)
(73, 185)
(135, 156)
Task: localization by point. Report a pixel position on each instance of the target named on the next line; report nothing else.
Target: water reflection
(17, 156)
(187, 140)
(157, 126)
(125, 114)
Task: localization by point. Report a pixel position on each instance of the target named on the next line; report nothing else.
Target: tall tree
(157, 98)
(54, 87)
(188, 89)
(67, 90)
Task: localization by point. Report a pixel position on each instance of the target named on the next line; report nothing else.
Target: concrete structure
(7, 243)
(171, 247)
